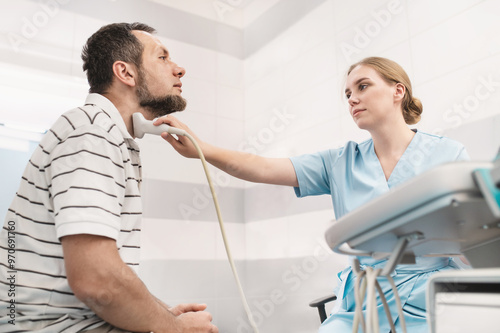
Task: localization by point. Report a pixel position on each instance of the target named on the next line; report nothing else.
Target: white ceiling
(237, 13)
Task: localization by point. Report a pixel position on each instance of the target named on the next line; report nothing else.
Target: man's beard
(157, 106)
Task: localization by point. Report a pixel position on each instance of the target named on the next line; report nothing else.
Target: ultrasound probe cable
(142, 126)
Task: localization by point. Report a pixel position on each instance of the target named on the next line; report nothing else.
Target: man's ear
(125, 73)
(399, 91)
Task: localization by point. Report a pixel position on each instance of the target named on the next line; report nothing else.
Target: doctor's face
(370, 97)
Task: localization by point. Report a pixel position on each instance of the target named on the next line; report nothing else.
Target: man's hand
(184, 308)
(195, 322)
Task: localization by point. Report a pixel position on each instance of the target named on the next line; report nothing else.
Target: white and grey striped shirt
(83, 178)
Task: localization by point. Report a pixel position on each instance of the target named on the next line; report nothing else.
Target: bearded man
(69, 248)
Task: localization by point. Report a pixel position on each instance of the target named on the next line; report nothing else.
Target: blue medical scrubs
(353, 176)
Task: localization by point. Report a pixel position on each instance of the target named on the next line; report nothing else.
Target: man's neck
(126, 106)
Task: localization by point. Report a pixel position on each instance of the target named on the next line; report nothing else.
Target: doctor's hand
(181, 144)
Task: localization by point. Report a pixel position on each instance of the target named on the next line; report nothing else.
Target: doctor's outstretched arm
(250, 167)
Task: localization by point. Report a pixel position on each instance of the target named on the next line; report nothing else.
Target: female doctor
(380, 100)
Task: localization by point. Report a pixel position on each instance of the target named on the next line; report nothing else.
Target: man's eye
(163, 58)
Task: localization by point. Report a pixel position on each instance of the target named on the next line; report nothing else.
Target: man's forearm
(162, 304)
(125, 302)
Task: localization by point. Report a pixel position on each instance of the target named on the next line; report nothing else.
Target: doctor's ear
(125, 73)
(399, 92)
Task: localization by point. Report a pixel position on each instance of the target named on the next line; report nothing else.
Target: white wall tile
(371, 36)
(359, 12)
(265, 93)
(31, 23)
(203, 124)
(460, 41)
(229, 71)
(235, 235)
(39, 105)
(200, 95)
(265, 129)
(480, 138)
(324, 135)
(263, 62)
(310, 116)
(309, 69)
(306, 232)
(229, 133)
(161, 161)
(255, 8)
(230, 103)
(178, 240)
(315, 28)
(402, 54)
(267, 239)
(425, 14)
(48, 20)
(464, 95)
(312, 106)
(230, 13)
(295, 43)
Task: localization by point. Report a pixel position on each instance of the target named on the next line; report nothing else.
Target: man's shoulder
(86, 116)
(87, 122)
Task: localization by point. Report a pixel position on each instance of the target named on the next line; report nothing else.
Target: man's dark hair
(113, 42)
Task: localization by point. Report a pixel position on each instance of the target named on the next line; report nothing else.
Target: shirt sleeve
(87, 178)
(313, 173)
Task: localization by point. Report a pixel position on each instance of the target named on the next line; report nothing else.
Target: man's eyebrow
(163, 50)
(357, 82)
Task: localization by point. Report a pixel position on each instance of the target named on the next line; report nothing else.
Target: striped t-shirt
(83, 178)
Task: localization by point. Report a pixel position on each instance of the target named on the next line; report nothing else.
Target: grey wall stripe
(179, 25)
(192, 202)
(272, 201)
(276, 20)
(169, 22)
(187, 201)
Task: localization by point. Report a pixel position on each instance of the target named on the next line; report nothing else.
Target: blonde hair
(394, 73)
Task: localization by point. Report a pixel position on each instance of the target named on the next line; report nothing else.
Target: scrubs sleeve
(313, 173)
(462, 155)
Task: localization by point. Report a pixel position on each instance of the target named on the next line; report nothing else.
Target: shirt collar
(111, 110)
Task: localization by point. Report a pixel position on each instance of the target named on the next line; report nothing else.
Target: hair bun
(412, 111)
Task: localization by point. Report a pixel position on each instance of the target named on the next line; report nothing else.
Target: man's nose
(179, 71)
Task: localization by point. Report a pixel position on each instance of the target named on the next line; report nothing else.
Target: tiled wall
(274, 88)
